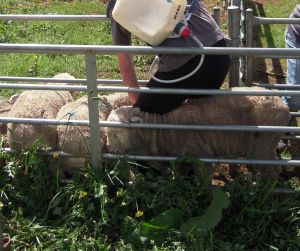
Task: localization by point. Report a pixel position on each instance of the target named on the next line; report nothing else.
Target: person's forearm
(128, 73)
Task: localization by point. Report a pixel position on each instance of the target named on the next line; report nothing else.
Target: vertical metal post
(216, 14)
(243, 23)
(225, 4)
(93, 104)
(234, 36)
(249, 43)
(236, 3)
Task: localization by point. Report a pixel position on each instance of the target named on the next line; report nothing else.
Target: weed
(109, 209)
(126, 206)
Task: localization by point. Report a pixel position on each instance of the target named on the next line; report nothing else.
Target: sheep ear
(13, 98)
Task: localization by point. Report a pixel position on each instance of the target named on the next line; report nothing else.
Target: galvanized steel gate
(91, 85)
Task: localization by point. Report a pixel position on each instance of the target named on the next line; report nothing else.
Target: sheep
(37, 104)
(210, 110)
(117, 100)
(5, 106)
(75, 139)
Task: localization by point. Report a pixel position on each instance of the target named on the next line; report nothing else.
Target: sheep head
(125, 140)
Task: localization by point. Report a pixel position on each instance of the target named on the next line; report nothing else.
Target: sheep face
(129, 140)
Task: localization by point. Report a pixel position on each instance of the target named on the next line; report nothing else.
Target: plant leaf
(171, 218)
(157, 228)
(201, 224)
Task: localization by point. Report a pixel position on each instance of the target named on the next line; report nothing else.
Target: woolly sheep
(37, 104)
(210, 110)
(117, 100)
(5, 106)
(75, 139)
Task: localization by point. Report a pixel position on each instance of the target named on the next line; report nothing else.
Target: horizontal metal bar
(49, 17)
(206, 160)
(31, 121)
(275, 57)
(295, 114)
(43, 87)
(46, 80)
(291, 137)
(246, 92)
(144, 50)
(229, 128)
(278, 86)
(267, 20)
(54, 80)
(109, 156)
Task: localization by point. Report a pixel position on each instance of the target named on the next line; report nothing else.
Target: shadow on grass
(262, 72)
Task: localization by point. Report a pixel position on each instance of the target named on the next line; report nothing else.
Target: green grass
(54, 32)
(105, 210)
(271, 36)
(113, 209)
(57, 32)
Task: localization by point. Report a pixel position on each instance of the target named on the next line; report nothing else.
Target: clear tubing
(171, 81)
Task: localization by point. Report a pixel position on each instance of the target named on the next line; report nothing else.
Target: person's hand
(104, 1)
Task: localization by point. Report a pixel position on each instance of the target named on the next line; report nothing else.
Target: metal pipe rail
(153, 90)
(268, 20)
(234, 35)
(110, 156)
(73, 81)
(145, 50)
(48, 17)
(116, 124)
(251, 21)
(92, 88)
(278, 86)
(207, 160)
(90, 52)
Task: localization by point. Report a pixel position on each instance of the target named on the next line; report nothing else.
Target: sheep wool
(210, 110)
(5, 106)
(74, 139)
(117, 100)
(37, 104)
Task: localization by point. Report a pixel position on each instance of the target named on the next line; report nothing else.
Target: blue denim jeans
(293, 73)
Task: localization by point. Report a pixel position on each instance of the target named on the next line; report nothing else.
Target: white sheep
(210, 110)
(117, 100)
(37, 104)
(5, 106)
(74, 139)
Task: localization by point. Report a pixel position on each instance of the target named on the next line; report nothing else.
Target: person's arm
(121, 36)
(128, 73)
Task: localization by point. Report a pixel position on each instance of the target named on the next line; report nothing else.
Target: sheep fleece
(36, 104)
(210, 110)
(75, 139)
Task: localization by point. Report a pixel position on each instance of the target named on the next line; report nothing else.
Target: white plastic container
(150, 20)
